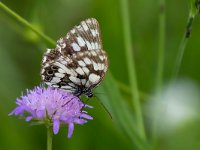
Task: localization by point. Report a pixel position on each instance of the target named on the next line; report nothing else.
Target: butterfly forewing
(78, 63)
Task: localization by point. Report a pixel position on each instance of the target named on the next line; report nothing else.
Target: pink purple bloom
(52, 106)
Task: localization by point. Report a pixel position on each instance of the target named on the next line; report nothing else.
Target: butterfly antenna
(103, 107)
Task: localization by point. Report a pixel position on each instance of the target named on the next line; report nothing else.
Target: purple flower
(53, 107)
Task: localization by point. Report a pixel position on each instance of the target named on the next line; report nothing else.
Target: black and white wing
(78, 61)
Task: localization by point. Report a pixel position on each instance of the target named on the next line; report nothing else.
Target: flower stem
(160, 67)
(182, 47)
(26, 24)
(131, 67)
(161, 50)
(194, 10)
(49, 138)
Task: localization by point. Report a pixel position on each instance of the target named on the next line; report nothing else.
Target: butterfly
(78, 64)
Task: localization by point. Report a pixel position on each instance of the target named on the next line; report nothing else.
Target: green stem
(182, 47)
(26, 24)
(159, 74)
(131, 66)
(49, 138)
(160, 67)
(194, 10)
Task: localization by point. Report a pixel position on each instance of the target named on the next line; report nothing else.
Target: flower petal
(70, 129)
(80, 121)
(86, 116)
(40, 113)
(56, 126)
(17, 111)
(29, 118)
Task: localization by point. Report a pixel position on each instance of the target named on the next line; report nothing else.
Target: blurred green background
(21, 53)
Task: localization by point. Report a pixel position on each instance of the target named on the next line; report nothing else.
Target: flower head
(52, 106)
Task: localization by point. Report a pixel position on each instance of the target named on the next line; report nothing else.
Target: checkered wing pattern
(78, 63)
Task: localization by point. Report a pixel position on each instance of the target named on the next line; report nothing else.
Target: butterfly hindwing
(78, 62)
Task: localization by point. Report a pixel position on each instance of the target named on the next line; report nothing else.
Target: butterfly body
(78, 63)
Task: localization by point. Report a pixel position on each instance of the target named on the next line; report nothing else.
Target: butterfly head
(88, 93)
(85, 91)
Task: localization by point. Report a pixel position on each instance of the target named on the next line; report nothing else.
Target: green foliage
(142, 47)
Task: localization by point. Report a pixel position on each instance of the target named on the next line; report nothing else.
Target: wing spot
(66, 87)
(79, 71)
(105, 68)
(83, 81)
(60, 75)
(87, 61)
(85, 27)
(64, 62)
(61, 70)
(73, 31)
(48, 51)
(93, 46)
(102, 66)
(88, 21)
(61, 43)
(93, 32)
(95, 66)
(94, 78)
(54, 67)
(96, 45)
(87, 84)
(56, 86)
(49, 83)
(101, 57)
(93, 53)
(50, 72)
(44, 59)
(80, 41)
(55, 80)
(75, 47)
(75, 80)
(59, 48)
(81, 63)
(89, 45)
(71, 84)
(46, 65)
(43, 77)
(86, 70)
(42, 71)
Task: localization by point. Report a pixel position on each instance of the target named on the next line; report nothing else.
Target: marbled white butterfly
(78, 63)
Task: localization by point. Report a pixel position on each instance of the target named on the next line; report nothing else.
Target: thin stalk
(160, 67)
(194, 10)
(26, 24)
(49, 138)
(182, 47)
(131, 66)
(161, 50)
